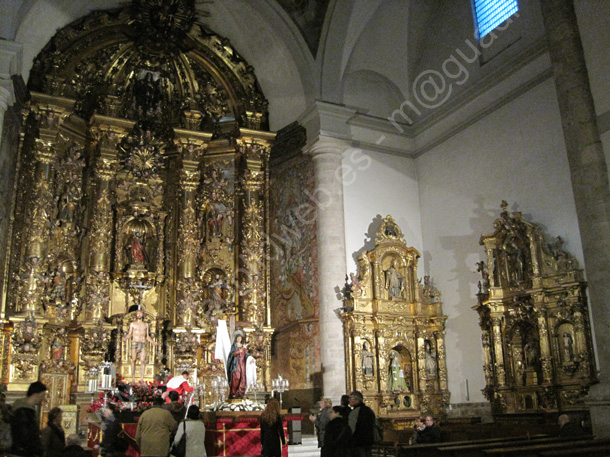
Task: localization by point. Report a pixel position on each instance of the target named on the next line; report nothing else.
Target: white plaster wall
(376, 183)
(515, 154)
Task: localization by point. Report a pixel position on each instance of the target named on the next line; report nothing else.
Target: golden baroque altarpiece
(534, 317)
(142, 182)
(395, 331)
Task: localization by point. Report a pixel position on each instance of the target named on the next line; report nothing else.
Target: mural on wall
(293, 272)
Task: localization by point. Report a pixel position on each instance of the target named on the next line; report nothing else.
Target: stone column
(330, 223)
(10, 64)
(589, 174)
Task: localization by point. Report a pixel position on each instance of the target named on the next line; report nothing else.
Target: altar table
(227, 434)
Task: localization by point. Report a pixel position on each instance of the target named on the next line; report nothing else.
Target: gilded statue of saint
(135, 249)
(394, 281)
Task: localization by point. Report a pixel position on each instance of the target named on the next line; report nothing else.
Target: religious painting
(294, 299)
(293, 245)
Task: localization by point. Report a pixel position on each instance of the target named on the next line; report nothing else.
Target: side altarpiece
(534, 317)
(394, 331)
(142, 184)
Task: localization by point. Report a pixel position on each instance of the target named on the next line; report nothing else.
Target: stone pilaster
(589, 174)
(10, 106)
(328, 199)
(10, 64)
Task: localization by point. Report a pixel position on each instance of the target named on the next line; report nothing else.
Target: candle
(106, 381)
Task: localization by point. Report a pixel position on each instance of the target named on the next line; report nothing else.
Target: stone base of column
(598, 402)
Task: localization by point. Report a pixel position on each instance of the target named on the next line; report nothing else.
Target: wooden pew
(384, 449)
(479, 449)
(534, 449)
(432, 450)
(603, 450)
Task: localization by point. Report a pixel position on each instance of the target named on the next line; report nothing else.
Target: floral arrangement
(138, 396)
(245, 405)
(96, 404)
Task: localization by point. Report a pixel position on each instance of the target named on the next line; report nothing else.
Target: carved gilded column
(545, 349)
(498, 351)
(442, 360)
(377, 288)
(188, 247)
(330, 226)
(581, 344)
(5, 348)
(253, 235)
(349, 349)
(40, 209)
(487, 359)
(98, 279)
(421, 362)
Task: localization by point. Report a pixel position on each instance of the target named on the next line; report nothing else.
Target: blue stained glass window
(491, 13)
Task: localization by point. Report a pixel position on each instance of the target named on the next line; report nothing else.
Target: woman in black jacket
(53, 436)
(337, 435)
(272, 430)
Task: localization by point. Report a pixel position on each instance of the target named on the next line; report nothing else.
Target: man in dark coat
(24, 422)
(431, 432)
(361, 421)
(337, 436)
(568, 428)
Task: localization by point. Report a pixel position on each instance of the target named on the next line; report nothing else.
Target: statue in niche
(390, 230)
(530, 349)
(58, 344)
(67, 206)
(367, 360)
(430, 359)
(57, 292)
(135, 250)
(217, 295)
(139, 335)
(396, 378)
(215, 218)
(515, 260)
(568, 350)
(394, 281)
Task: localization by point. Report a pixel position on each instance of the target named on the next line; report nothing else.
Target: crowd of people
(20, 434)
(347, 430)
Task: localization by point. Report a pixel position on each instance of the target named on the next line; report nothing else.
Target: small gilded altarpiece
(394, 331)
(534, 319)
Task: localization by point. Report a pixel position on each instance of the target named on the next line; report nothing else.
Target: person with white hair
(567, 428)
